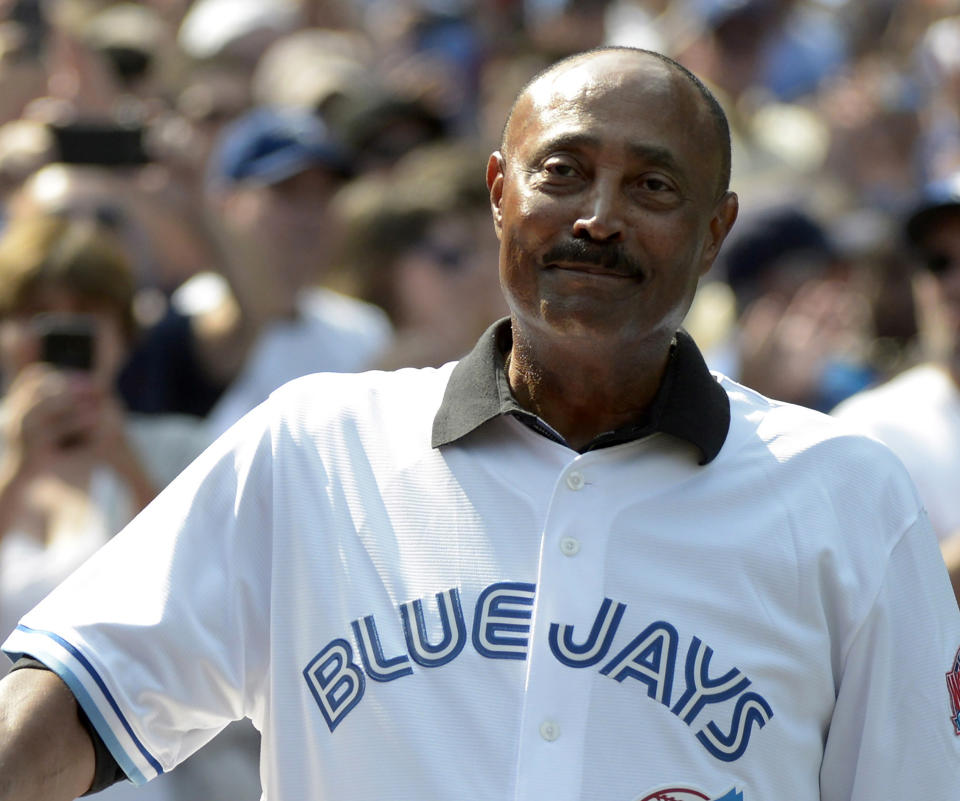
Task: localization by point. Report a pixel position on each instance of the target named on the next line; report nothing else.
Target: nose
(946, 268)
(950, 288)
(600, 217)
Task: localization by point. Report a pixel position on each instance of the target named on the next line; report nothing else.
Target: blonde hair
(80, 255)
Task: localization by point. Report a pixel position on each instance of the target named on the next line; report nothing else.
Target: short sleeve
(159, 635)
(894, 732)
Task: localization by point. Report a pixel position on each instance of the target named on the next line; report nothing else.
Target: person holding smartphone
(74, 465)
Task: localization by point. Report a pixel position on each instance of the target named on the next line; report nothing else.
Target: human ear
(495, 169)
(724, 216)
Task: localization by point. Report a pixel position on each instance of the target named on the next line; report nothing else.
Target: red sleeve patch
(953, 686)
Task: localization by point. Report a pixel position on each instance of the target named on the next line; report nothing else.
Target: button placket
(552, 741)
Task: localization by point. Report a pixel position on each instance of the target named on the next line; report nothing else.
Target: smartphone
(100, 143)
(66, 341)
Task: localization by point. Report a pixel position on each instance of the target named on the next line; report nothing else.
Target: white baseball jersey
(918, 415)
(501, 617)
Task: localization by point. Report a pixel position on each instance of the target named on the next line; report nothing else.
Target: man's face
(292, 213)
(445, 282)
(940, 250)
(607, 200)
(284, 234)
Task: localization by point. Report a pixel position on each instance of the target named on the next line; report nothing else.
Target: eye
(558, 167)
(656, 190)
(654, 183)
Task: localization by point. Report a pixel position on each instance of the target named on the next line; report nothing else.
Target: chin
(592, 326)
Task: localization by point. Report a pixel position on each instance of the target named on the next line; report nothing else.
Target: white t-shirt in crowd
(332, 333)
(918, 415)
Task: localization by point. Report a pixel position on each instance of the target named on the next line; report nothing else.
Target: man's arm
(893, 689)
(45, 752)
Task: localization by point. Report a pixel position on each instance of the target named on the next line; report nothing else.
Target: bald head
(710, 114)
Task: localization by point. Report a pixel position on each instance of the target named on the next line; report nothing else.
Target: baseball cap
(935, 197)
(269, 145)
(769, 238)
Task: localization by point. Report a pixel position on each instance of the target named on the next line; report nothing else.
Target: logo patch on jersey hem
(675, 793)
(953, 686)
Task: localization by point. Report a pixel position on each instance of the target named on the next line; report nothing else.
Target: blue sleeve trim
(93, 712)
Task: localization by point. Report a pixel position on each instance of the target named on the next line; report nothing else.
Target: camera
(105, 143)
(66, 341)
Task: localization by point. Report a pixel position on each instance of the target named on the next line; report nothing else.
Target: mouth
(593, 260)
(597, 270)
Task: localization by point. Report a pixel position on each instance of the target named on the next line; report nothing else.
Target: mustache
(610, 257)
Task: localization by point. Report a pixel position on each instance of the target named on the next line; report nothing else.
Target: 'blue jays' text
(337, 675)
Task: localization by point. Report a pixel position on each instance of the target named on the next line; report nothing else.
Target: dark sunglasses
(449, 259)
(939, 263)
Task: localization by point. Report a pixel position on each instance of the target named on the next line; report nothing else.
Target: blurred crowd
(201, 199)
(122, 114)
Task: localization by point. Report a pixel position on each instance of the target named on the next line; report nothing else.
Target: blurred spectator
(74, 465)
(63, 423)
(803, 324)
(81, 83)
(23, 74)
(917, 413)
(421, 245)
(872, 246)
(384, 126)
(210, 99)
(870, 111)
(939, 63)
(728, 42)
(235, 32)
(317, 70)
(138, 48)
(115, 199)
(564, 26)
(847, 103)
(236, 335)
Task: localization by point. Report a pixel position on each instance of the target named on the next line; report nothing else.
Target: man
(419, 246)
(800, 310)
(235, 336)
(917, 413)
(575, 565)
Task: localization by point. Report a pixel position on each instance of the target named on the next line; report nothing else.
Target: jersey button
(549, 730)
(570, 546)
(575, 480)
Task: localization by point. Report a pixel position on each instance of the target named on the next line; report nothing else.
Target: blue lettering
(597, 643)
(501, 623)
(335, 681)
(454, 630)
(750, 709)
(375, 664)
(502, 628)
(650, 658)
(701, 689)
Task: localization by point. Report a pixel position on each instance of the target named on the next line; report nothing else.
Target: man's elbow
(45, 752)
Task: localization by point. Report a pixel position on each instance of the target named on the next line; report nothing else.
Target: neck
(586, 387)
